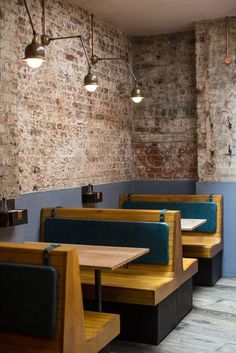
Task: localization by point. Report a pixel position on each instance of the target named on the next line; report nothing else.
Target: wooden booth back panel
(172, 218)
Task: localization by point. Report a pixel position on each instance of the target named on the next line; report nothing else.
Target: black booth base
(150, 324)
(209, 271)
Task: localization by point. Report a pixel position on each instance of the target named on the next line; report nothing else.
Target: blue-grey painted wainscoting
(173, 187)
(33, 202)
(228, 190)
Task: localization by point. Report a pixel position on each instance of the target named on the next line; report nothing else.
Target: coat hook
(229, 151)
(229, 123)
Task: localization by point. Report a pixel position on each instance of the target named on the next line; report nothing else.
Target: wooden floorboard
(210, 327)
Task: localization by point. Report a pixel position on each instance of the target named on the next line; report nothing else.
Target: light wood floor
(210, 327)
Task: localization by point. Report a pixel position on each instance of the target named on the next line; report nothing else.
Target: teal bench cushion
(28, 299)
(199, 210)
(153, 235)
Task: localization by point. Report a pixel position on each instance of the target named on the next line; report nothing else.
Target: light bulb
(91, 88)
(137, 99)
(34, 63)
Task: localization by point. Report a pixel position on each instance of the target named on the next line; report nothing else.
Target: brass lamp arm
(120, 58)
(85, 52)
(68, 37)
(30, 19)
(81, 40)
(130, 70)
(46, 39)
(95, 58)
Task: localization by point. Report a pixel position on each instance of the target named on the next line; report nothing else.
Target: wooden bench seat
(76, 331)
(201, 246)
(134, 287)
(160, 294)
(204, 243)
(138, 284)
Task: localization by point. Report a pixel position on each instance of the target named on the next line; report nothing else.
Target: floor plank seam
(217, 313)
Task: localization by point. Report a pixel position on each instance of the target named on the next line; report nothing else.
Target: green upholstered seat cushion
(198, 210)
(28, 299)
(153, 235)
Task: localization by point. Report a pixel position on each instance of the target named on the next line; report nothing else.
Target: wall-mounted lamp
(35, 55)
(35, 51)
(136, 93)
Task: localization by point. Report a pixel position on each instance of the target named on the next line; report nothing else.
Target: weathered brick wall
(9, 135)
(164, 128)
(53, 134)
(65, 136)
(216, 101)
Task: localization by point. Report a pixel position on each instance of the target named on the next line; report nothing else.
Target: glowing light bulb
(137, 99)
(91, 88)
(34, 63)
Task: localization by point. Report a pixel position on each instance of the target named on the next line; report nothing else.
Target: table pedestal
(98, 290)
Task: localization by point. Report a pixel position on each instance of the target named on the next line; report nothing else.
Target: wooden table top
(104, 257)
(107, 257)
(191, 224)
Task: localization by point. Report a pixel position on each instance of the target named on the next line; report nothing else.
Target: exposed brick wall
(67, 137)
(9, 136)
(53, 134)
(216, 101)
(164, 128)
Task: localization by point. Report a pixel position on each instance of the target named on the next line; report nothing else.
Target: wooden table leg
(98, 290)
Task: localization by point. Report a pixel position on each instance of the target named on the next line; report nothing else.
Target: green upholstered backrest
(153, 235)
(198, 210)
(28, 299)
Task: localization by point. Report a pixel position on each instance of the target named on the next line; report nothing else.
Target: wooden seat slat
(134, 280)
